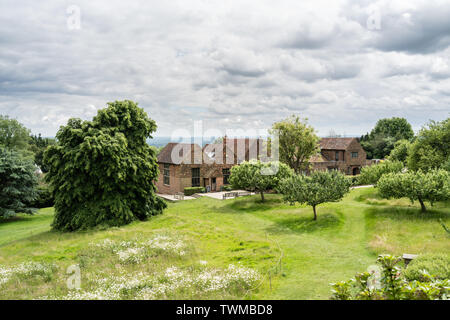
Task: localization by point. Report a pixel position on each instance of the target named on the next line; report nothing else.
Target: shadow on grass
(254, 203)
(406, 213)
(306, 224)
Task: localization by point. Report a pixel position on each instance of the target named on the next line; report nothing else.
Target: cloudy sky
(233, 64)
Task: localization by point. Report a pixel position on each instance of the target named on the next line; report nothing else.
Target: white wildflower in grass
(27, 270)
(137, 251)
(203, 262)
(173, 282)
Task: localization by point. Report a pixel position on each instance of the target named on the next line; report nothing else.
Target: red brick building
(189, 165)
(344, 154)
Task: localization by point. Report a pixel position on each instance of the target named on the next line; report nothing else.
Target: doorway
(355, 171)
(213, 184)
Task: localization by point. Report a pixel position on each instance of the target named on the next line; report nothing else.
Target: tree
(400, 151)
(13, 135)
(319, 187)
(371, 174)
(103, 171)
(431, 149)
(258, 176)
(381, 140)
(297, 142)
(419, 186)
(38, 145)
(18, 183)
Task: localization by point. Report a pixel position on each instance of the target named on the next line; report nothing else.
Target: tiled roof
(187, 153)
(335, 143)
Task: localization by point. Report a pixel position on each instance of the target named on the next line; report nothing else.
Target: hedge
(191, 190)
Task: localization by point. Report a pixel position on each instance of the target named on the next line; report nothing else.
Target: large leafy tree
(103, 171)
(258, 176)
(317, 188)
(18, 183)
(13, 135)
(38, 145)
(431, 149)
(381, 140)
(419, 186)
(297, 142)
(400, 151)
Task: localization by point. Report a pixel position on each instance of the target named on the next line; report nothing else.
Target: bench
(228, 195)
(244, 193)
(179, 196)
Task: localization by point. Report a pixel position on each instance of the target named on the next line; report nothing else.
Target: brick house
(184, 165)
(344, 154)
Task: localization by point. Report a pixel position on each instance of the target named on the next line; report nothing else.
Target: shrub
(353, 180)
(371, 174)
(103, 171)
(436, 265)
(390, 284)
(189, 191)
(226, 188)
(431, 186)
(44, 197)
(319, 187)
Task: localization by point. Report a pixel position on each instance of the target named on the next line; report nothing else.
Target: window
(166, 174)
(354, 154)
(336, 156)
(196, 177)
(226, 175)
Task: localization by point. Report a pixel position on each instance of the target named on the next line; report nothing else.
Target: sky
(234, 64)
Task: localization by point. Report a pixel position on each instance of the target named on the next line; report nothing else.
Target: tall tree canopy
(13, 135)
(18, 183)
(297, 142)
(381, 140)
(431, 149)
(103, 171)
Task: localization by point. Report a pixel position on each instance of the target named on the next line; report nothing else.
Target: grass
(345, 239)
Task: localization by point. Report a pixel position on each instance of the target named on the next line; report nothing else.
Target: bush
(353, 180)
(436, 265)
(226, 188)
(189, 191)
(390, 283)
(371, 174)
(44, 198)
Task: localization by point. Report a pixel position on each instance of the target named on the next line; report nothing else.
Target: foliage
(189, 191)
(431, 148)
(371, 174)
(431, 186)
(297, 142)
(400, 151)
(354, 180)
(319, 187)
(258, 176)
(437, 265)
(226, 188)
(13, 135)
(17, 183)
(393, 285)
(38, 145)
(381, 140)
(103, 171)
(44, 197)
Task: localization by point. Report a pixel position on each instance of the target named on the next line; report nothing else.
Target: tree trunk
(315, 214)
(422, 205)
(262, 196)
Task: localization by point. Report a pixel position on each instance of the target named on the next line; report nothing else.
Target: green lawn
(344, 240)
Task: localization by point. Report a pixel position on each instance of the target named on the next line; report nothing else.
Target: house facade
(189, 165)
(344, 154)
